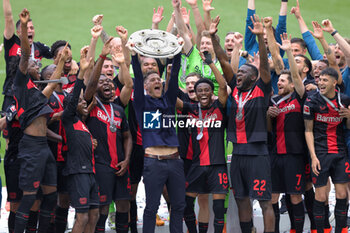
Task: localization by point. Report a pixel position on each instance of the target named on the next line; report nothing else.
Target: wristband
(103, 57)
(333, 33)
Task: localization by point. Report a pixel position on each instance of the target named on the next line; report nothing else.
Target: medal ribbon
(110, 118)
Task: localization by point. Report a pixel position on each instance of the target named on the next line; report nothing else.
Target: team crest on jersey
(36, 53)
(306, 110)
(83, 200)
(36, 184)
(117, 113)
(103, 198)
(13, 108)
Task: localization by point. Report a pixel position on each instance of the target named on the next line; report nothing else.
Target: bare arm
(9, 29)
(264, 63)
(157, 17)
(309, 137)
(128, 83)
(25, 47)
(206, 15)
(296, 11)
(219, 52)
(182, 27)
(297, 81)
(95, 33)
(274, 49)
(123, 34)
(179, 104)
(171, 23)
(344, 46)
(318, 34)
(93, 80)
(198, 20)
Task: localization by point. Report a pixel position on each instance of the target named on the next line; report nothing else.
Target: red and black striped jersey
(57, 148)
(12, 49)
(249, 126)
(328, 125)
(110, 149)
(288, 127)
(208, 149)
(133, 125)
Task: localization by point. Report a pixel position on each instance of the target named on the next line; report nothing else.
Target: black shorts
(251, 176)
(83, 192)
(61, 179)
(187, 165)
(336, 166)
(111, 186)
(38, 165)
(136, 163)
(288, 174)
(207, 179)
(14, 193)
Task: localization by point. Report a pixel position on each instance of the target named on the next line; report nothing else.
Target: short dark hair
(287, 72)
(148, 74)
(58, 44)
(204, 80)
(254, 69)
(198, 75)
(307, 62)
(299, 41)
(325, 61)
(330, 72)
(18, 23)
(45, 69)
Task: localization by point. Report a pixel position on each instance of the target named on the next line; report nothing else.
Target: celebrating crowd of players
(86, 136)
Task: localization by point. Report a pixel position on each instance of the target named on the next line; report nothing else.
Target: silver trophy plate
(155, 43)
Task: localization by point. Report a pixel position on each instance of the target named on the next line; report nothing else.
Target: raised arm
(318, 34)
(249, 38)
(206, 15)
(63, 56)
(219, 52)
(93, 80)
(198, 20)
(309, 40)
(344, 46)
(71, 108)
(258, 30)
(95, 33)
(222, 92)
(297, 81)
(181, 26)
(97, 20)
(125, 76)
(282, 23)
(235, 54)
(123, 34)
(157, 17)
(9, 29)
(273, 47)
(25, 47)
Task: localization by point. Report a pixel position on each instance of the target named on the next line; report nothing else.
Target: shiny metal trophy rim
(155, 43)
